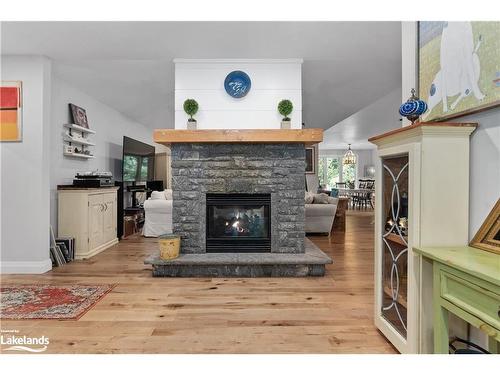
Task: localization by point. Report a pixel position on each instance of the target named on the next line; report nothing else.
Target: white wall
(272, 81)
(25, 172)
(409, 64)
(484, 183)
(110, 126)
(484, 167)
(32, 169)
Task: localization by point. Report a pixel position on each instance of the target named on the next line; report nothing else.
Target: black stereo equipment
(93, 179)
(93, 182)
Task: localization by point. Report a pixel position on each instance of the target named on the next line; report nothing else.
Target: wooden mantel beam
(306, 136)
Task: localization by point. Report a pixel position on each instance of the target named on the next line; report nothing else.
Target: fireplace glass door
(238, 223)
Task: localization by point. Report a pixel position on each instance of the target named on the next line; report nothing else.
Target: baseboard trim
(97, 250)
(7, 267)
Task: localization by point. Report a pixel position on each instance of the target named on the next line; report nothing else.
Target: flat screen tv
(138, 161)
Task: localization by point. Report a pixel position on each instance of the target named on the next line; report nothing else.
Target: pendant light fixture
(349, 157)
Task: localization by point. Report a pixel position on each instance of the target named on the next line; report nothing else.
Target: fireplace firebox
(238, 223)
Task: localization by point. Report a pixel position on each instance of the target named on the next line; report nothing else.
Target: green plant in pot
(285, 107)
(191, 108)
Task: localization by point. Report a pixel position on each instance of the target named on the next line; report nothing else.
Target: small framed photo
(310, 160)
(488, 236)
(79, 115)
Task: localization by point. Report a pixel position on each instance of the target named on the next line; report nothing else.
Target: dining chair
(364, 198)
(362, 184)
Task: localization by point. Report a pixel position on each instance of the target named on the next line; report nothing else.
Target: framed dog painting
(459, 67)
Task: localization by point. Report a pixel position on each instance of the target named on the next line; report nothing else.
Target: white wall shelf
(79, 128)
(81, 156)
(78, 141)
(77, 138)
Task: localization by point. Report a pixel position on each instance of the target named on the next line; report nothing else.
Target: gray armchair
(320, 217)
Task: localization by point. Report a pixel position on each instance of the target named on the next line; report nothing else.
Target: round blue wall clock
(237, 84)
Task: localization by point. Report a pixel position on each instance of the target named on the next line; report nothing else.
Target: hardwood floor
(331, 314)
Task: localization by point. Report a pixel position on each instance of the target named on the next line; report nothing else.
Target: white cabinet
(88, 215)
(422, 199)
(109, 216)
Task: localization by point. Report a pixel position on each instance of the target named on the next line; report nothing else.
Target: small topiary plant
(191, 107)
(285, 107)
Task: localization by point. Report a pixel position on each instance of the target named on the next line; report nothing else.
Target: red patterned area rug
(49, 301)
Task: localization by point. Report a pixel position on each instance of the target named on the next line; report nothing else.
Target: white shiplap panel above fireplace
(272, 81)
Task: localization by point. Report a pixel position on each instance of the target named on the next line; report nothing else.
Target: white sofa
(320, 217)
(158, 214)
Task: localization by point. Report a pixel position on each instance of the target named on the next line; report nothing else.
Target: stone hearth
(310, 263)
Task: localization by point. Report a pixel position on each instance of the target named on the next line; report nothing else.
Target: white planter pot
(192, 125)
(286, 124)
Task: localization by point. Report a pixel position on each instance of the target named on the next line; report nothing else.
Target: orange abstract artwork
(10, 111)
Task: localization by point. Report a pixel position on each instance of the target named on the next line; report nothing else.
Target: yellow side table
(467, 284)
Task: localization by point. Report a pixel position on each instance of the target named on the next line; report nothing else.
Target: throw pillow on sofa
(157, 195)
(321, 198)
(309, 197)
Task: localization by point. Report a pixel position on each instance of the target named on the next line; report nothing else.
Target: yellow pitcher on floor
(170, 245)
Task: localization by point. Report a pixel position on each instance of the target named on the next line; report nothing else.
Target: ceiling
(128, 65)
(376, 118)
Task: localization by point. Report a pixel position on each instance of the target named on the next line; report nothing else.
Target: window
(136, 168)
(349, 174)
(144, 169)
(130, 164)
(331, 170)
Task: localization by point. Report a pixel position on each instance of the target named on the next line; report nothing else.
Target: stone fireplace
(218, 170)
(238, 205)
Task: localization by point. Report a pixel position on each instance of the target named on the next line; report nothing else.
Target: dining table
(347, 192)
(351, 193)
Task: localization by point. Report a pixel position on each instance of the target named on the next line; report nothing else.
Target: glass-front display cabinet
(395, 241)
(422, 192)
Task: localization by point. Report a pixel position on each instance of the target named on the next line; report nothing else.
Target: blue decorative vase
(334, 193)
(237, 84)
(413, 107)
